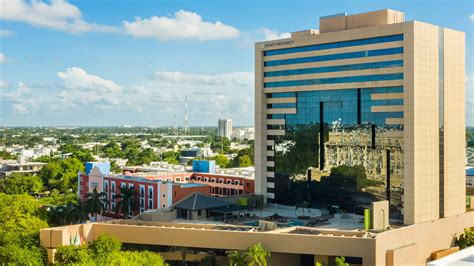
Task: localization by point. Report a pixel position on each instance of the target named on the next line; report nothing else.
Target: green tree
(127, 202)
(341, 261)
(66, 255)
(96, 202)
(105, 245)
(5, 155)
(466, 239)
(18, 183)
(237, 258)
(221, 160)
(21, 218)
(112, 150)
(61, 175)
(245, 161)
(257, 255)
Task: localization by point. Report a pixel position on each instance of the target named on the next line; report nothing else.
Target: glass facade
(326, 69)
(331, 57)
(354, 156)
(325, 46)
(309, 82)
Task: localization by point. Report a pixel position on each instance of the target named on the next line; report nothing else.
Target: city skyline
(87, 64)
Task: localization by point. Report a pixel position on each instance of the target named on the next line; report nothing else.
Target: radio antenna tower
(186, 121)
(175, 124)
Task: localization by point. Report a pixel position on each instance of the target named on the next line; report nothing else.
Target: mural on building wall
(77, 238)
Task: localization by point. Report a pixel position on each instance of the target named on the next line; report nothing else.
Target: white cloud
(21, 100)
(273, 35)
(3, 58)
(5, 33)
(177, 77)
(78, 78)
(184, 25)
(57, 14)
(471, 17)
(3, 84)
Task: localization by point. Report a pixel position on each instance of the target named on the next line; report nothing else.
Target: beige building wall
(454, 189)
(260, 127)
(421, 121)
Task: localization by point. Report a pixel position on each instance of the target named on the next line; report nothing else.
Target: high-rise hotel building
(369, 107)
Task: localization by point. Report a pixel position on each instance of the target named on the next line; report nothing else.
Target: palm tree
(55, 214)
(81, 212)
(127, 201)
(257, 255)
(96, 202)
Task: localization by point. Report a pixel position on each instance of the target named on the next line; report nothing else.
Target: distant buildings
(224, 128)
(156, 190)
(247, 133)
(29, 168)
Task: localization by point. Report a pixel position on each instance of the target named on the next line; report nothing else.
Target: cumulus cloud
(471, 17)
(3, 84)
(5, 33)
(21, 100)
(78, 78)
(177, 77)
(57, 14)
(273, 34)
(3, 58)
(183, 25)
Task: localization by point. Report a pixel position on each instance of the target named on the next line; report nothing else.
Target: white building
(224, 128)
(247, 133)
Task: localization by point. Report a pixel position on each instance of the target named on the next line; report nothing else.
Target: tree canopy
(61, 174)
(18, 183)
(21, 218)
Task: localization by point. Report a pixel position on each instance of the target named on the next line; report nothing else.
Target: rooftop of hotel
(286, 218)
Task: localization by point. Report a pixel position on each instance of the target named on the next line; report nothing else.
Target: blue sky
(105, 63)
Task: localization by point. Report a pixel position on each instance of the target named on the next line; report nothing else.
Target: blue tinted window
(282, 105)
(309, 82)
(341, 106)
(314, 70)
(281, 95)
(325, 46)
(276, 116)
(331, 57)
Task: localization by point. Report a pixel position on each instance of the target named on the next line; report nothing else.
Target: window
(331, 57)
(309, 82)
(142, 191)
(324, 46)
(199, 212)
(150, 192)
(130, 185)
(122, 185)
(164, 195)
(270, 169)
(106, 186)
(281, 105)
(164, 206)
(142, 203)
(113, 206)
(248, 184)
(150, 204)
(326, 69)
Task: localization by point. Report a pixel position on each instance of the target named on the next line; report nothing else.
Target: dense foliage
(18, 183)
(255, 255)
(61, 174)
(106, 250)
(21, 218)
(466, 239)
